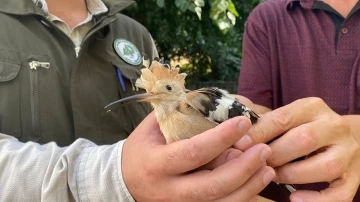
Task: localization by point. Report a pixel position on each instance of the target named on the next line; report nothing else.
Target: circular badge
(127, 51)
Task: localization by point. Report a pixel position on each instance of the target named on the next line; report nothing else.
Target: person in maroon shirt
(301, 71)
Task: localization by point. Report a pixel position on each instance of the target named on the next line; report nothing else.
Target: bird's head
(162, 82)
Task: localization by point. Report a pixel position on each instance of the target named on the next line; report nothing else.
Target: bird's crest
(157, 70)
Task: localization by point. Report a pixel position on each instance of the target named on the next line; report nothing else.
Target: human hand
(156, 171)
(308, 127)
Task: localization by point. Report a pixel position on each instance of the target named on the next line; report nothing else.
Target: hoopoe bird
(182, 113)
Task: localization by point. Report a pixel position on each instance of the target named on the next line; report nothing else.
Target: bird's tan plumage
(183, 123)
(177, 117)
(181, 113)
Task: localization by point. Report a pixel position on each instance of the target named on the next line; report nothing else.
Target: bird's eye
(168, 87)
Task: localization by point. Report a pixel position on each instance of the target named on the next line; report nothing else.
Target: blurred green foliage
(206, 33)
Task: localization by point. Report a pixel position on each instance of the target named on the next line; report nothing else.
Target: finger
(189, 154)
(252, 187)
(224, 157)
(211, 185)
(277, 122)
(255, 199)
(301, 141)
(328, 165)
(342, 189)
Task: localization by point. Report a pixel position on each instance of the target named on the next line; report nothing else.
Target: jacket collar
(307, 4)
(28, 7)
(116, 6)
(94, 7)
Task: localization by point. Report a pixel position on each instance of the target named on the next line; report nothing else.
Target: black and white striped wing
(217, 105)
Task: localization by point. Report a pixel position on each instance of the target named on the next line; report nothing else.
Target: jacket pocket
(122, 120)
(10, 97)
(35, 96)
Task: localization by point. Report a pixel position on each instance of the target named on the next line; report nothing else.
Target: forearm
(82, 171)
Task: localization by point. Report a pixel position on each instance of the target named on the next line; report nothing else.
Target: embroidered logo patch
(127, 51)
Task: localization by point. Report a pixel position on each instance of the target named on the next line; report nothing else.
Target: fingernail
(233, 154)
(243, 125)
(268, 176)
(245, 142)
(265, 153)
(296, 199)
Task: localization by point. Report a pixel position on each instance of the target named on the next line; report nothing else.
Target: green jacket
(65, 100)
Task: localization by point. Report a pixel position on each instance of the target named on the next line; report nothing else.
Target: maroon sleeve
(255, 80)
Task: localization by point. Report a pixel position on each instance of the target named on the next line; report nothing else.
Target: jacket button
(344, 30)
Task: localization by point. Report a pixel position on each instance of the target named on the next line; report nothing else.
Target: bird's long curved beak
(144, 97)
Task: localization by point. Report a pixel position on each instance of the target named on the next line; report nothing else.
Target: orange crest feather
(159, 71)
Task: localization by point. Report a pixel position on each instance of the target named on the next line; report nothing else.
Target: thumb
(148, 131)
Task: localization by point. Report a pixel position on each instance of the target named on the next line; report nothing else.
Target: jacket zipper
(97, 26)
(34, 93)
(78, 51)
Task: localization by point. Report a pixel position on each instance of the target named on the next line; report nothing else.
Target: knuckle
(316, 101)
(356, 147)
(281, 118)
(340, 125)
(258, 134)
(314, 104)
(248, 172)
(170, 158)
(332, 169)
(306, 138)
(189, 194)
(213, 190)
(192, 154)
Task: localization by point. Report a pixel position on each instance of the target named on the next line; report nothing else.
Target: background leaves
(203, 35)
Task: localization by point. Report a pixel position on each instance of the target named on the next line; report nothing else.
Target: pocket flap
(9, 70)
